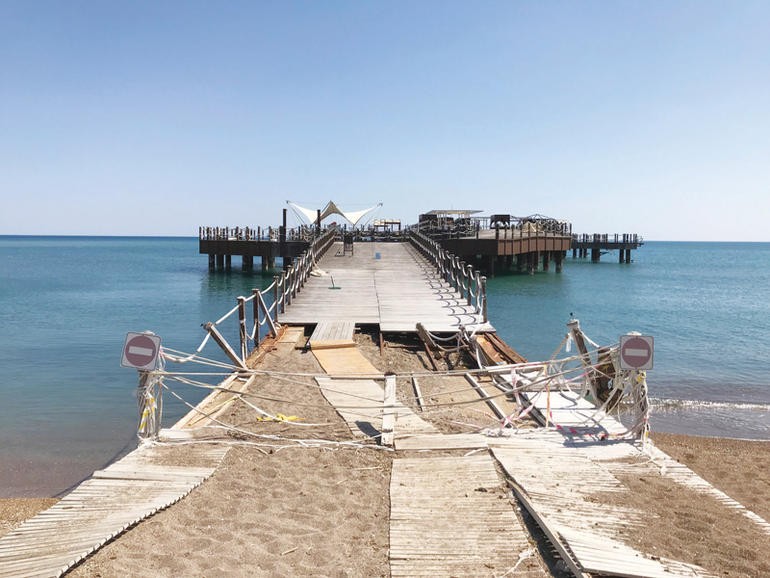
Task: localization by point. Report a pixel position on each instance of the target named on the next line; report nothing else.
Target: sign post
(636, 352)
(142, 352)
(636, 356)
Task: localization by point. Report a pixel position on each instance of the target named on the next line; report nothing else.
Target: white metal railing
(462, 276)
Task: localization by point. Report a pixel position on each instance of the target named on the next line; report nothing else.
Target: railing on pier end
(604, 238)
(510, 225)
(279, 293)
(305, 233)
(467, 281)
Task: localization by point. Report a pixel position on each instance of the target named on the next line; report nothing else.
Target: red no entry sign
(636, 351)
(141, 351)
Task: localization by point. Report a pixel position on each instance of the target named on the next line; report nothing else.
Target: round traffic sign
(636, 352)
(141, 351)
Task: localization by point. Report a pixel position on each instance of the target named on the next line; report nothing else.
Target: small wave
(674, 404)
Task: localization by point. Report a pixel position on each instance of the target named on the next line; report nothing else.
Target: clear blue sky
(156, 117)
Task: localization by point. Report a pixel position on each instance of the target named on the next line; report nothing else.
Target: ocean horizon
(67, 301)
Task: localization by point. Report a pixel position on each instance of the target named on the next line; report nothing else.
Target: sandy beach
(278, 508)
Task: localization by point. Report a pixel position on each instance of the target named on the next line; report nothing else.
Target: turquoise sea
(66, 303)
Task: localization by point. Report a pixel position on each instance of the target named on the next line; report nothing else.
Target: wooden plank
(489, 401)
(99, 509)
(557, 482)
(389, 411)
(442, 442)
(568, 409)
(442, 524)
(292, 334)
(360, 403)
(417, 393)
(345, 361)
(396, 291)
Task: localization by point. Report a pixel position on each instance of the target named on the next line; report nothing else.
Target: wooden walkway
(446, 519)
(332, 334)
(385, 284)
(556, 476)
(557, 481)
(571, 412)
(100, 508)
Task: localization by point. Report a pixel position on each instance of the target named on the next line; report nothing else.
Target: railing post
(256, 317)
(242, 328)
(469, 272)
(484, 317)
(288, 288)
(276, 279)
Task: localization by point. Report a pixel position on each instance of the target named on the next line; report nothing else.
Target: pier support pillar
(595, 255)
(520, 262)
(574, 252)
(212, 262)
(621, 256)
(559, 261)
(220, 262)
(628, 255)
(287, 261)
(546, 260)
(491, 265)
(247, 262)
(228, 262)
(532, 259)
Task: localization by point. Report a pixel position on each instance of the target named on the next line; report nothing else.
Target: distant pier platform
(598, 243)
(494, 244)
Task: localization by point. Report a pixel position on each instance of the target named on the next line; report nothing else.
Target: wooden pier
(496, 244)
(450, 494)
(268, 243)
(601, 243)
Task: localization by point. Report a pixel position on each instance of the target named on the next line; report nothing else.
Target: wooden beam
(389, 412)
(417, 394)
(490, 402)
(222, 342)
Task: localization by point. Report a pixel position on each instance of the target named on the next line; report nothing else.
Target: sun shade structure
(310, 215)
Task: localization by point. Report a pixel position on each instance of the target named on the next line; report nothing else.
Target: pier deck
(385, 284)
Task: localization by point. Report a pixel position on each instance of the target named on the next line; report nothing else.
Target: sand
(284, 510)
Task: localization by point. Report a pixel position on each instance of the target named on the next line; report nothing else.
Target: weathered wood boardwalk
(387, 284)
(447, 520)
(568, 410)
(102, 507)
(361, 401)
(557, 481)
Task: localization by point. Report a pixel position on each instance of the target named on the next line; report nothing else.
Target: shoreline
(309, 511)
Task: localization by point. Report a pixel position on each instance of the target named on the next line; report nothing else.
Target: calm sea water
(66, 303)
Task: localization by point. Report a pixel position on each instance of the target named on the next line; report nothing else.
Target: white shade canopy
(309, 215)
